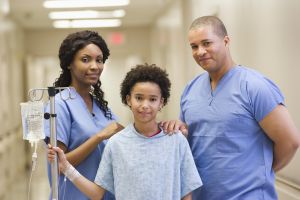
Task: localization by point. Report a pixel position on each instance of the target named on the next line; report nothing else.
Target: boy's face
(145, 101)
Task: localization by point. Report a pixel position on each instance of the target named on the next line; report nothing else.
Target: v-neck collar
(220, 84)
(84, 104)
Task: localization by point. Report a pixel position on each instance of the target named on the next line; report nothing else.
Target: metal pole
(53, 142)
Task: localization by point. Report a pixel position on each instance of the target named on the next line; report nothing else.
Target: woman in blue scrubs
(85, 122)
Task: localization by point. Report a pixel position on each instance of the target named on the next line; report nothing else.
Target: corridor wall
(12, 147)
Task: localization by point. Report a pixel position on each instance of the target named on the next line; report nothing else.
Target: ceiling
(30, 14)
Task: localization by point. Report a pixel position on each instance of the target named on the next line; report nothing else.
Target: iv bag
(33, 121)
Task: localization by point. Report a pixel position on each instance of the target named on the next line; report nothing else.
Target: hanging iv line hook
(32, 94)
(69, 96)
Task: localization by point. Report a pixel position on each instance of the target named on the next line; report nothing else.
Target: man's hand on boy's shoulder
(173, 126)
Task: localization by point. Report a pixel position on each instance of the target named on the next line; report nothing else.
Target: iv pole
(53, 140)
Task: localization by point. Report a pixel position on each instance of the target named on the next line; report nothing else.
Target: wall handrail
(288, 183)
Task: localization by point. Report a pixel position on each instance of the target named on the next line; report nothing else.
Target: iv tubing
(33, 165)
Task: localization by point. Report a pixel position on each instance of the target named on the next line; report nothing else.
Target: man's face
(209, 50)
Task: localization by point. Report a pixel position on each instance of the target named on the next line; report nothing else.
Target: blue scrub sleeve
(264, 96)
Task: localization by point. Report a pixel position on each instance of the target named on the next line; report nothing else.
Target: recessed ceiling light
(87, 23)
(84, 3)
(86, 14)
(4, 7)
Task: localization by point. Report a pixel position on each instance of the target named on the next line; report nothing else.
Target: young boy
(141, 162)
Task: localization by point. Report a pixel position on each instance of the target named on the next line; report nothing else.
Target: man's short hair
(214, 22)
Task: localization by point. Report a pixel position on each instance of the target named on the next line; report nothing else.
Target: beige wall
(167, 52)
(12, 93)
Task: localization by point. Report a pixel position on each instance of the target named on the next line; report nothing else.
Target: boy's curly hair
(146, 73)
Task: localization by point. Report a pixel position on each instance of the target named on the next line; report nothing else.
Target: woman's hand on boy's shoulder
(110, 130)
(173, 126)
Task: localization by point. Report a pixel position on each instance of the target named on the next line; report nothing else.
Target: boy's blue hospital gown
(136, 167)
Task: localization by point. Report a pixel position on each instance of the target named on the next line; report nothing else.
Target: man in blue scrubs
(240, 131)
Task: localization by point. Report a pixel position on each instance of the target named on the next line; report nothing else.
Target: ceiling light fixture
(83, 3)
(4, 8)
(87, 23)
(86, 14)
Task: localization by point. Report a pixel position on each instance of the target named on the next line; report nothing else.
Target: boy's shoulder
(178, 134)
(178, 137)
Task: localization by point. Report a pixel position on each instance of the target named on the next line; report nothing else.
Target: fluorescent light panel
(84, 3)
(87, 23)
(86, 14)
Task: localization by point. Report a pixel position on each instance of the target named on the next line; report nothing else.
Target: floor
(39, 189)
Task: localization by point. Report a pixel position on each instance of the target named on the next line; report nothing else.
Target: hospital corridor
(264, 36)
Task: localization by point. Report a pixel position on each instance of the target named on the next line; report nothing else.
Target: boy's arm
(187, 197)
(89, 188)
